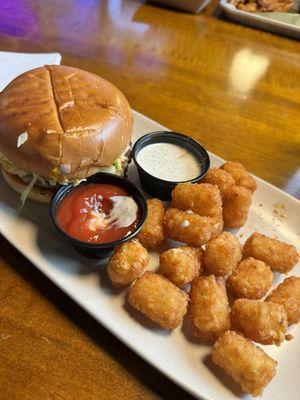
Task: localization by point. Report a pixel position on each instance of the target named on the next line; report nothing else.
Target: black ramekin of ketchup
(99, 214)
(164, 159)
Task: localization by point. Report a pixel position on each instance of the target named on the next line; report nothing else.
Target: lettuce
(27, 191)
(58, 177)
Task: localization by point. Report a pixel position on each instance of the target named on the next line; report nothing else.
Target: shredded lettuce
(27, 191)
(11, 168)
(57, 176)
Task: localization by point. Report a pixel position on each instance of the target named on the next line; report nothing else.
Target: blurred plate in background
(192, 6)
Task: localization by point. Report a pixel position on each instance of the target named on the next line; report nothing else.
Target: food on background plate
(209, 308)
(181, 265)
(128, 262)
(219, 177)
(152, 233)
(245, 362)
(251, 279)
(202, 198)
(158, 299)
(60, 125)
(240, 175)
(160, 159)
(222, 254)
(190, 228)
(288, 294)
(264, 5)
(263, 322)
(281, 257)
(236, 207)
(98, 213)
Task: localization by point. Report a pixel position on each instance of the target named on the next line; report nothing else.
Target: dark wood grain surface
(235, 89)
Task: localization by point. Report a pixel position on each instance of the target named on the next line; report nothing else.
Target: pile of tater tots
(211, 266)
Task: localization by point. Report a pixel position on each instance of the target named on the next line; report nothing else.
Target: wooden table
(235, 89)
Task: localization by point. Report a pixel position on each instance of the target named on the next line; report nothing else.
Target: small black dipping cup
(99, 250)
(161, 188)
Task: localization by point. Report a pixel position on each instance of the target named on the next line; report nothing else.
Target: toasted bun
(75, 122)
(37, 193)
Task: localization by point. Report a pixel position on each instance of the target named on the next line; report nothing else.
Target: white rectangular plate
(258, 20)
(173, 353)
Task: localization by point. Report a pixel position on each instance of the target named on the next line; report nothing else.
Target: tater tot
(236, 206)
(190, 228)
(265, 323)
(281, 257)
(288, 295)
(160, 300)
(209, 309)
(250, 279)
(221, 178)
(202, 198)
(180, 265)
(152, 233)
(246, 363)
(240, 175)
(222, 254)
(127, 263)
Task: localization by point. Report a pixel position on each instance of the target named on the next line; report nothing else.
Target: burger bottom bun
(37, 193)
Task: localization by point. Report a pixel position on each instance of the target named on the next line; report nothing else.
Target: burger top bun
(63, 119)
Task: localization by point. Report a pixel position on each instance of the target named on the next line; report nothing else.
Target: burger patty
(120, 169)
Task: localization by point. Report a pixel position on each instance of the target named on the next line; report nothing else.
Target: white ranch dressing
(169, 161)
(124, 211)
(123, 214)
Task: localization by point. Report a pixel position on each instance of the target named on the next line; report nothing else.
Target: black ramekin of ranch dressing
(164, 159)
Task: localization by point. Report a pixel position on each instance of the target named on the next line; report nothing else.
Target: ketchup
(97, 213)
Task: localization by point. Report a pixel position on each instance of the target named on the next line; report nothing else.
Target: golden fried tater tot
(236, 207)
(152, 233)
(288, 294)
(127, 263)
(222, 254)
(202, 198)
(221, 178)
(246, 363)
(240, 175)
(160, 300)
(209, 309)
(281, 257)
(190, 228)
(250, 279)
(180, 265)
(262, 322)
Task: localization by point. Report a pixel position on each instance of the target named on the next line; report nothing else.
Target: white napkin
(14, 64)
